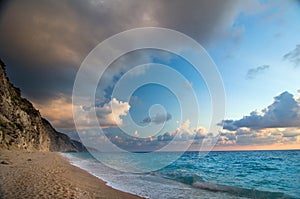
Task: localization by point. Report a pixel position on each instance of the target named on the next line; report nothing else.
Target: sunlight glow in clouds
(254, 43)
(106, 117)
(109, 118)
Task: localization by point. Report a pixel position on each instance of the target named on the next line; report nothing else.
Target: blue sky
(255, 45)
(266, 37)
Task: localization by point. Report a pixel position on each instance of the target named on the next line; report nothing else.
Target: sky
(255, 45)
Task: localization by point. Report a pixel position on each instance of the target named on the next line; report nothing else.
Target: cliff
(23, 128)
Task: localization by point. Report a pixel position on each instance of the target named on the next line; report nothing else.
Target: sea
(219, 174)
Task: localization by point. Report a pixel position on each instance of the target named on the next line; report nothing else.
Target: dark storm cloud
(284, 112)
(253, 72)
(44, 42)
(202, 20)
(293, 56)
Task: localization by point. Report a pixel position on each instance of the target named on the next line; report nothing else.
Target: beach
(49, 175)
(220, 174)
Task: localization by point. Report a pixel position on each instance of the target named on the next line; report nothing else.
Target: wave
(152, 185)
(199, 183)
(242, 192)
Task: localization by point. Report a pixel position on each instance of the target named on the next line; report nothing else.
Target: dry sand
(48, 175)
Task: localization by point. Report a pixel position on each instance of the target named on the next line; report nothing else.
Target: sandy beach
(48, 175)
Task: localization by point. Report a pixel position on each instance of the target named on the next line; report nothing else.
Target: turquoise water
(236, 174)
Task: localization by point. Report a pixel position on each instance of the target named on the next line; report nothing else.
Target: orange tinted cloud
(58, 112)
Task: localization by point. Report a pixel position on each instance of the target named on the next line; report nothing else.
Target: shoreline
(49, 175)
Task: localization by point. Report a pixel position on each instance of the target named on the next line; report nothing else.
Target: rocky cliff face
(22, 127)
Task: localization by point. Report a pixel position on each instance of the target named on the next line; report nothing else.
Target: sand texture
(48, 175)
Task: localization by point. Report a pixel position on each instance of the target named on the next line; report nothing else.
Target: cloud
(194, 136)
(183, 134)
(284, 112)
(227, 138)
(251, 137)
(158, 118)
(241, 137)
(185, 126)
(166, 137)
(278, 124)
(238, 33)
(108, 115)
(45, 41)
(200, 133)
(253, 72)
(293, 56)
(58, 111)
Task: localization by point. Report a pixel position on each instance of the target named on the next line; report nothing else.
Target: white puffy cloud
(200, 133)
(108, 115)
(252, 137)
(185, 127)
(284, 112)
(279, 123)
(184, 133)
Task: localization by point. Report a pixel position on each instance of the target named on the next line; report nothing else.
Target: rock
(22, 126)
(4, 162)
